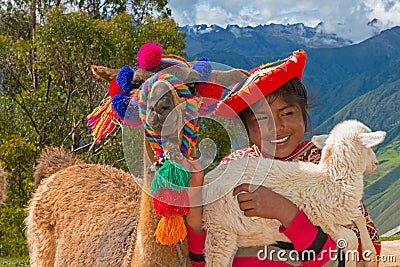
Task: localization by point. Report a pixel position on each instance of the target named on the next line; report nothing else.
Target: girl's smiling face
(278, 129)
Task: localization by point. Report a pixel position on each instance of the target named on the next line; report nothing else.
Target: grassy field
(390, 238)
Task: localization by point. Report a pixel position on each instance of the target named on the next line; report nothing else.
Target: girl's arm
(314, 247)
(196, 235)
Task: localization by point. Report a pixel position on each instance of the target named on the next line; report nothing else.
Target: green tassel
(171, 175)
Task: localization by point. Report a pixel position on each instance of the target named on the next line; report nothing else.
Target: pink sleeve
(307, 238)
(196, 244)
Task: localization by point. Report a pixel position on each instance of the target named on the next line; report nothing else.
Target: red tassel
(168, 202)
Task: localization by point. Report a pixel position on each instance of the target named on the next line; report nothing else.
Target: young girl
(276, 132)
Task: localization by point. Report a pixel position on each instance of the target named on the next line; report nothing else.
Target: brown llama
(81, 214)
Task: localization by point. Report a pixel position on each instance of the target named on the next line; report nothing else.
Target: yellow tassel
(170, 230)
(103, 120)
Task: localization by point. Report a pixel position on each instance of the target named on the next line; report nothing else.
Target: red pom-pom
(212, 94)
(168, 202)
(149, 56)
(114, 89)
(210, 90)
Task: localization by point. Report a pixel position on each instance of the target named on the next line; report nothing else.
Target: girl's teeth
(280, 140)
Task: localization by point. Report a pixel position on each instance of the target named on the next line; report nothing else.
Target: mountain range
(344, 80)
(263, 40)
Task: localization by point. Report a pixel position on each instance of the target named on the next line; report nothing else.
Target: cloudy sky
(352, 19)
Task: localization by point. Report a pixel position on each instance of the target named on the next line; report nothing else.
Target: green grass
(14, 262)
(391, 238)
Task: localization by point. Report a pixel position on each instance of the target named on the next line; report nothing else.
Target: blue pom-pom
(124, 79)
(120, 103)
(203, 67)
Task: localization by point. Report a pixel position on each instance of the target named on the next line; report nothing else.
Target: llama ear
(104, 73)
(319, 140)
(372, 139)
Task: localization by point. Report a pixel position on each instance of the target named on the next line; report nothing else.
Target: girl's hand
(263, 202)
(194, 217)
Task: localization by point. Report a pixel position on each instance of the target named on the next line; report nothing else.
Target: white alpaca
(329, 193)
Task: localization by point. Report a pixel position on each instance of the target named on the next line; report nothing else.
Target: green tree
(18, 159)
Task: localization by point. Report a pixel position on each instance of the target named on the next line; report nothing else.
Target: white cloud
(347, 18)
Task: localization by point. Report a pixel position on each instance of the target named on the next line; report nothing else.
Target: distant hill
(336, 76)
(382, 191)
(380, 110)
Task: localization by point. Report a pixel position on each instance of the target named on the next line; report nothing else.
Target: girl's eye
(287, 113)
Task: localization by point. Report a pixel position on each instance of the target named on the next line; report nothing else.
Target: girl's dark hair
(293, 92)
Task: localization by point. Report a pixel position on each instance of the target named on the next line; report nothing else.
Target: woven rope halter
(190, 128)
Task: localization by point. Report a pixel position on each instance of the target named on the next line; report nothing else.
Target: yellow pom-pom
(170, 230)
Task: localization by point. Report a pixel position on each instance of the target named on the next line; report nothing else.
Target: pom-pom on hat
(203, 67)
(149, 55)
(262, 81)
(114, 89)
(124, 78)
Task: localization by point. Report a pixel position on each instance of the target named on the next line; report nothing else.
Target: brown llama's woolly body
(3, 186)
(88, 215)
(52, 160)
(83, 215)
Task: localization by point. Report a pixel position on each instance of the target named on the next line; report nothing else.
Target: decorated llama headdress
(169, 186)
(111, 112)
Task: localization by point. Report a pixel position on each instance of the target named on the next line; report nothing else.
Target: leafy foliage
(47, 89)
(18, 159)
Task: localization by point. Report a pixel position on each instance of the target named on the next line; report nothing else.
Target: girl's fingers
(250, 213)
(242, 197)
(247, 205)
(241, 188)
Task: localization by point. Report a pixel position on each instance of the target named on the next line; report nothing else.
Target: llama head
(353, 140)
(161, 112)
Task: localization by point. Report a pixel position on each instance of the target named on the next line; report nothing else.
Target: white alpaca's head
(353, 141)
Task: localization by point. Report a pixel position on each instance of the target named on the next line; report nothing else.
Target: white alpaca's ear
(319, 140)
(371, 139)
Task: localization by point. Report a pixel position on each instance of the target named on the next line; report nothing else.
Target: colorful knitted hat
(262, 81)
